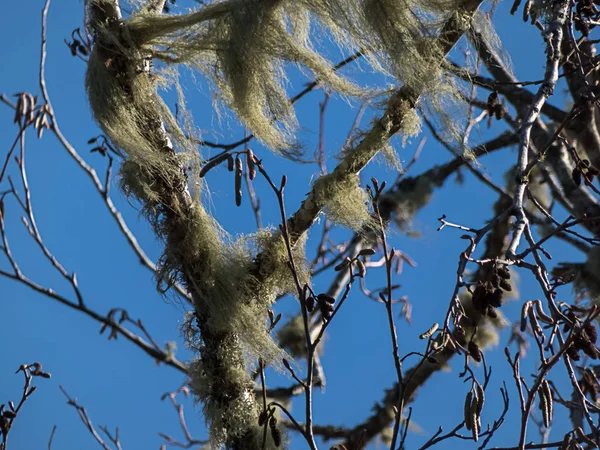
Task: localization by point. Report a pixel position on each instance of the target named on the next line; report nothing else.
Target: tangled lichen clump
(231, 417)
(228, 290)
(243, 51)
(346, 202)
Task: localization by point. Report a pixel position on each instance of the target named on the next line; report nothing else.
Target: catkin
(467, 411)
(238, 181)
(524, 310)
(541, 314)
(429, 332)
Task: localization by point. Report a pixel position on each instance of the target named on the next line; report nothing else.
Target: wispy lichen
(243, 45)
(346, 202)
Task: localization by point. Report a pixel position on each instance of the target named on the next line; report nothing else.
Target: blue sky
(117, 383)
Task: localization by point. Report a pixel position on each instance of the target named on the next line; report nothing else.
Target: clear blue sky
(117, 383)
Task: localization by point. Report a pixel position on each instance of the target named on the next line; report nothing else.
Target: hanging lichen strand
(243, 45)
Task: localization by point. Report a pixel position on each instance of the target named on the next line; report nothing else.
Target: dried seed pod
(544, 407)
(467, 411)
(494, 279)
(476, 428)
(238, 181)
(495, 298)
(19, 109)
(230, 163)
(591, 333)
(310, 303)
(480, 398)
(213, 163)
(275, 433)
(534, 14)
(9, 414)
(515, 7)
(499, 111)
(429, 332)
(503, 272)
(362, 270)
(576, 175)
(326, 305)
(573, 353)
(505, 285)
(83, 50)
(492, 101)
(491, 312)
(251, 164)
(326, 298)
(535, 325)
(262, 418)
(541, 314)
(474, 351)
(475, 418)
(590, 350)
(548, 394)
(479, 293)
(366, 252)
(526, 10)
(524, 310)
(344, 264)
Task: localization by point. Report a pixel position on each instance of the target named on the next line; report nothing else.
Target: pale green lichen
(243, 51)
(345, 201)
(242, 45)
(230, 417)
(235, 298)
(391, 158)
